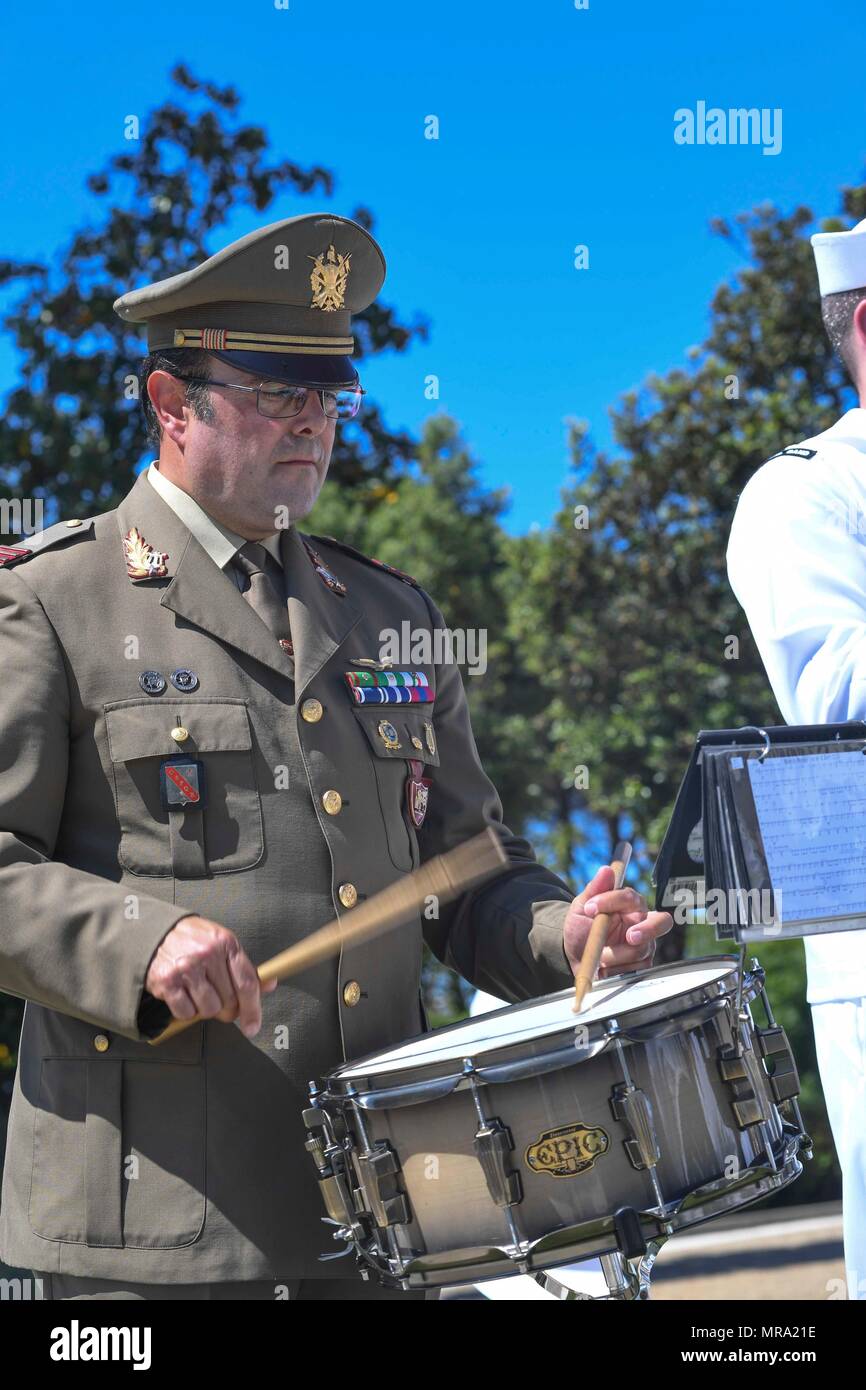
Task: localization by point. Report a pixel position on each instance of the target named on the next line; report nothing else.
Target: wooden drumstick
(445, 877)
(597, 939)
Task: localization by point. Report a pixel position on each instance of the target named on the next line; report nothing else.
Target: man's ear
(168, 398)
(858, 326)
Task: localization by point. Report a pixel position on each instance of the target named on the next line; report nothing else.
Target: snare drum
(532, 1136)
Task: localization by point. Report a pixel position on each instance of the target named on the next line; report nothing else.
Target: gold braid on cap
(231, 340)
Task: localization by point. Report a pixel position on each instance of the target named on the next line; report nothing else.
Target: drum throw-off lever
(336, 1194)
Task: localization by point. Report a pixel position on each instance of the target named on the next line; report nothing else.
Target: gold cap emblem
(328, 279)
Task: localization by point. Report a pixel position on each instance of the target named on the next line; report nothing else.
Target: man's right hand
(200, 968)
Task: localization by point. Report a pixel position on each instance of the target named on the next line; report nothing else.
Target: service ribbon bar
(392, 694)
(367, 678)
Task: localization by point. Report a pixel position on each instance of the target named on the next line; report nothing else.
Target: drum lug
(734, 1071)
(784, 1078)
(379, 1171)
(632, 1107)
(493, 1144)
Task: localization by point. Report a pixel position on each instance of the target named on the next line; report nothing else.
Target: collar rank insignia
(368, 559)
(326, 575)
(142, 561)
(9, 553)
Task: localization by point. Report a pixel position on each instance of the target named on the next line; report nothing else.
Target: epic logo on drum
(567, 1151)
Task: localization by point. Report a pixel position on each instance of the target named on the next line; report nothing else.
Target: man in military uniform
(203, 760)
(797, 563)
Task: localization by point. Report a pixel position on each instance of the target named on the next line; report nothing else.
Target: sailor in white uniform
(797, 563)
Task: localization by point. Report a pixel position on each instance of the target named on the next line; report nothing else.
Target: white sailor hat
(841, 259)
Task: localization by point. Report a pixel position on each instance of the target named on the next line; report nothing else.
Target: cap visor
(294, 368)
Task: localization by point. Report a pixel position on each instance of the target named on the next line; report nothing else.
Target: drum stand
(626, 1279)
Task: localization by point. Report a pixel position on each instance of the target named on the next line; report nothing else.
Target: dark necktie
(264, 589)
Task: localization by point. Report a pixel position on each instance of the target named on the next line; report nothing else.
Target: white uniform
(797, 563)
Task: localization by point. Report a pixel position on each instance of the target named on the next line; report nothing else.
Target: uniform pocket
(119, 1150)
(221, 835)
(399, 735)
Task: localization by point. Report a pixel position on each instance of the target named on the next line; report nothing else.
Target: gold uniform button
(73, 521)
(332, 802)
(101, 1043)
(180, 734)
(351, 993)
(348, 894)
(312, 711)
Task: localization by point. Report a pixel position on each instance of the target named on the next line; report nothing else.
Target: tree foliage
(72, 432)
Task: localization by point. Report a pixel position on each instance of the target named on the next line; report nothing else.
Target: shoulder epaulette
(62, 530)
(368, 559)
(797, 451)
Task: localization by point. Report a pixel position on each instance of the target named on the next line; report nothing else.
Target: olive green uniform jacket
(185, 1162)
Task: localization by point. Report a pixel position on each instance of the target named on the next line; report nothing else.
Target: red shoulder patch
(10, 553)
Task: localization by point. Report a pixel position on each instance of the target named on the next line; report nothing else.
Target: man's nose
(312, 419)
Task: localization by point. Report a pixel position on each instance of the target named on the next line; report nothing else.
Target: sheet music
(811, 810)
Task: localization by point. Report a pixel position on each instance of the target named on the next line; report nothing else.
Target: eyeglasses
(276, 400)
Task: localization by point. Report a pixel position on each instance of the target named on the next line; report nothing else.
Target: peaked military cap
(278, 302)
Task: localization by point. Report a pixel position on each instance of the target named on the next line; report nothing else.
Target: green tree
(72, 433)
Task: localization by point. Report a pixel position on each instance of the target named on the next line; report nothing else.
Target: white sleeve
(797, 563)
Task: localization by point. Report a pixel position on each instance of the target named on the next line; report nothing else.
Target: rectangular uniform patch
(181, 783)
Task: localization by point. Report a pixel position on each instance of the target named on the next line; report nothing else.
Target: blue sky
(556, 129)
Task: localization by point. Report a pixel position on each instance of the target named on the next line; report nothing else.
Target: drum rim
(365, 1079)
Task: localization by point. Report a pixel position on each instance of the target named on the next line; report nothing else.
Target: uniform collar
(851, 425)
(190, 586)
(216, 540)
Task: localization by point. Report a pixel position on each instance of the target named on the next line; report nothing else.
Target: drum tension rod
(632, 1108)
(493, 1144)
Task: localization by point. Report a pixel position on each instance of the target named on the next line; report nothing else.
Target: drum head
(618, 997)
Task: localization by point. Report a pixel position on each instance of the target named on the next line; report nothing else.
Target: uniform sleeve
(67, 939)
(505, 937)
(797, 563)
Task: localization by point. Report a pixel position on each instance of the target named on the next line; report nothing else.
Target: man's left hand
(632, 932)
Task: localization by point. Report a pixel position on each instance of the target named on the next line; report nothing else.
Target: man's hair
(180, 362)
(837, 311)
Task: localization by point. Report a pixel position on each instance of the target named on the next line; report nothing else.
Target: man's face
(253, 473)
